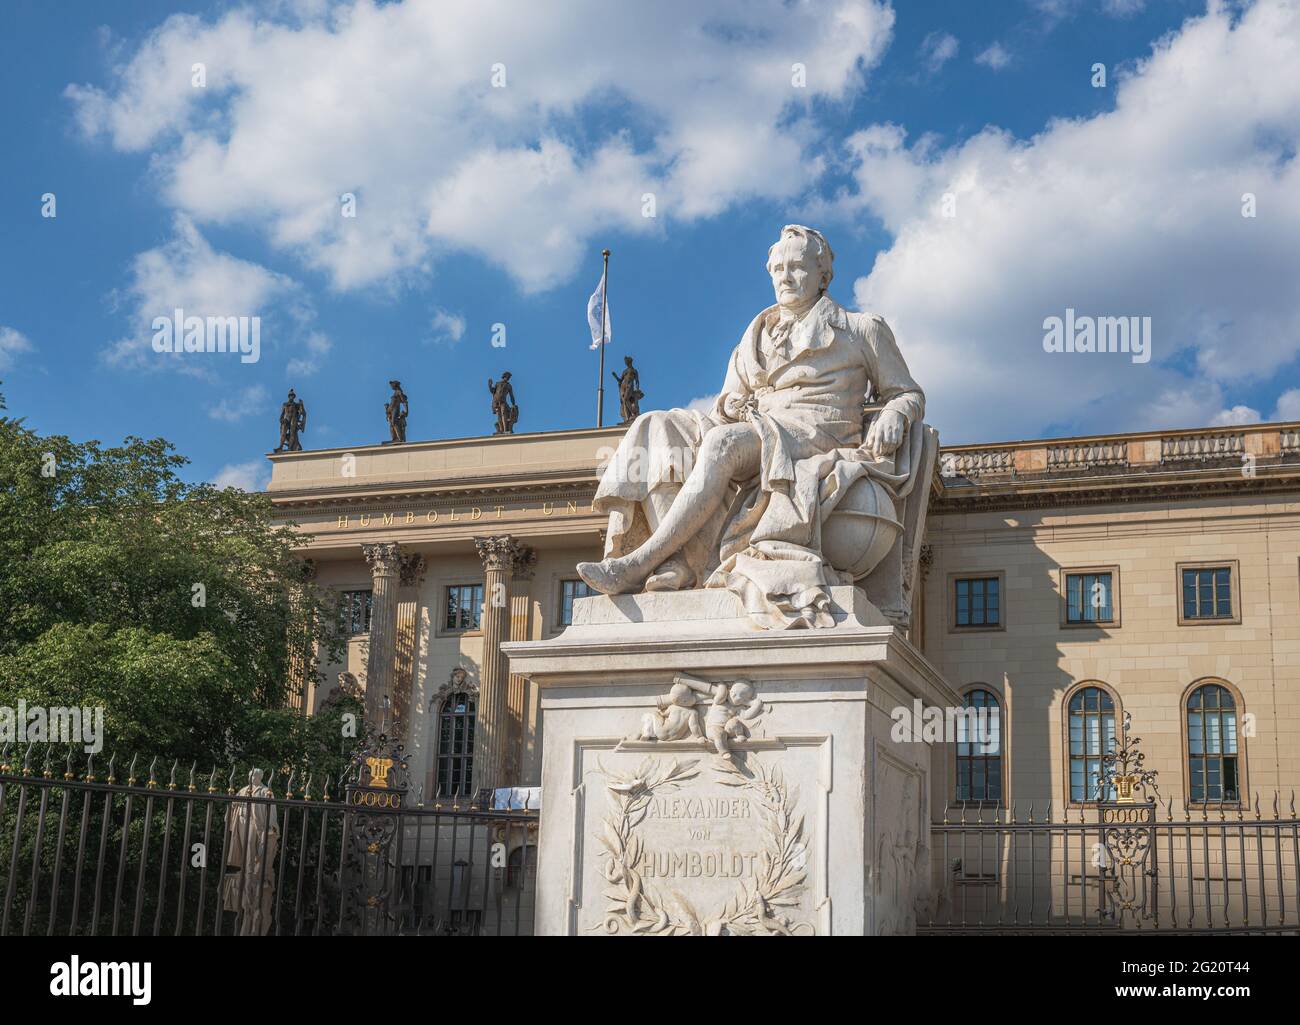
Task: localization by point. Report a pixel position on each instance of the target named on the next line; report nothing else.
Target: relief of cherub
(678, 717)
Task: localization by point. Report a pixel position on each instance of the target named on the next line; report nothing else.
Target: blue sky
(479, 206)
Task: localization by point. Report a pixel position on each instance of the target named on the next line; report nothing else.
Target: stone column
(521, 607)
(411, 569)
(492, 732)
(384, 560)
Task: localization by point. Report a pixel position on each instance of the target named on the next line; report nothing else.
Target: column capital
(383, 557)
(411, 569)
(498, 553)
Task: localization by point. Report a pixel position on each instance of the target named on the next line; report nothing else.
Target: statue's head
(505, 376)
(395, 385)
(627, 360)
(800, 265)
(291, 395)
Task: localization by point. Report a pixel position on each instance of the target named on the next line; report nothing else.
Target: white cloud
(254, 475)
(395, 104)
(995, 56)
(1135, 211)
(1122, 8)
(12, 343)
(314, 349)
(1235, 417)
(1288, 405)
(245, 402)
(447, 327)
(937, 49)
(704, 404)
(187, 273)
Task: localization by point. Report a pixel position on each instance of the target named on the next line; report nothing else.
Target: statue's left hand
(886, 432)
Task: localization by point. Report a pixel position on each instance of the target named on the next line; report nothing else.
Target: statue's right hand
(735, 406)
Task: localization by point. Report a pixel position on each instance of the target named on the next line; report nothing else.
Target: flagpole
(604, 312)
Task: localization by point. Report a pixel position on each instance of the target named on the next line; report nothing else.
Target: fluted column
(521, 606)
(492, 733)
(384, 560)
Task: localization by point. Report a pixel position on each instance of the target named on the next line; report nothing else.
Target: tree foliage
(179, 608)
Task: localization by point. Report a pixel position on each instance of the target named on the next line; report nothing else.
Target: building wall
(1148, 660)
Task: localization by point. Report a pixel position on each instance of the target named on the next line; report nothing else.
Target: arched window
(456, 745)
(1212, 770)
(979, 747)
(1090, 729)
(521, 866)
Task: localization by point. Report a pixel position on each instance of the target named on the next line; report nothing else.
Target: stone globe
(861, 529)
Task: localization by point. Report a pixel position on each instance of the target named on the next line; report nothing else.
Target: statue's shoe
(673, 575)
(602, 577)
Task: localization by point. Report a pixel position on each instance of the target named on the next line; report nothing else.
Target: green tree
(179, 608)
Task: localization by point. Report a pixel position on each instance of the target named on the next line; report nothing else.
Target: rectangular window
(464, 607)
(569, 590)
(354, 612)
(1090, 597)
(978, 602)
(1208, 593)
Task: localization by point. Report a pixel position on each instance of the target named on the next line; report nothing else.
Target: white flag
(595, 306)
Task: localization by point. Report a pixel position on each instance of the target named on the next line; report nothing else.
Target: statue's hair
(814, 240)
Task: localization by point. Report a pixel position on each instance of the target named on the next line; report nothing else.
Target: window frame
(951, 603)
(368, 615)
(560, 624)
(1234, 585)
(460, 631)
(1063, 587)
(1000, 698)
(1066, 753)
(468, 758)
(1243, 790)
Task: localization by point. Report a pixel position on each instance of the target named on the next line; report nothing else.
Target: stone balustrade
(1122, 454)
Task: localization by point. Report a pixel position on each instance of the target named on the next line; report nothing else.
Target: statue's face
(796, 278)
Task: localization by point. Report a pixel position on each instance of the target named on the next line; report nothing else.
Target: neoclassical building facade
(1066, 583)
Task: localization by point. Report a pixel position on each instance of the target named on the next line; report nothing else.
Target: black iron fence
(85, 854)
(1136, 866)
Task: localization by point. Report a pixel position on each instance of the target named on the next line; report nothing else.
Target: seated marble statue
(780, 490)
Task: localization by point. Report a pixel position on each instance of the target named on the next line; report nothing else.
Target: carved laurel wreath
(756, 906)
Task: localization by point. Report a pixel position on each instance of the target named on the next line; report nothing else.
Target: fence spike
(1256, 805)
(68, 774)
(27, 758)
(190, 785)
(130, 772)
(230, 781)
(90, 767)
(325, 790)
(1276, 811)
(171, 782)
(4, 756)
(288, 785)
(212, 781)
(306, 788)
(112, 760)
(945, 813)
(152, 780)
(1293, 804)
(46, 770)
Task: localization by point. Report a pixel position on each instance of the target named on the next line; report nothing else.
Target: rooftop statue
(293, 421)
(629, 391)
(504, 406)
(783, 488)
(396, 409)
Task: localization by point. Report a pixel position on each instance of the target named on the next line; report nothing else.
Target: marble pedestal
(818, 824)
